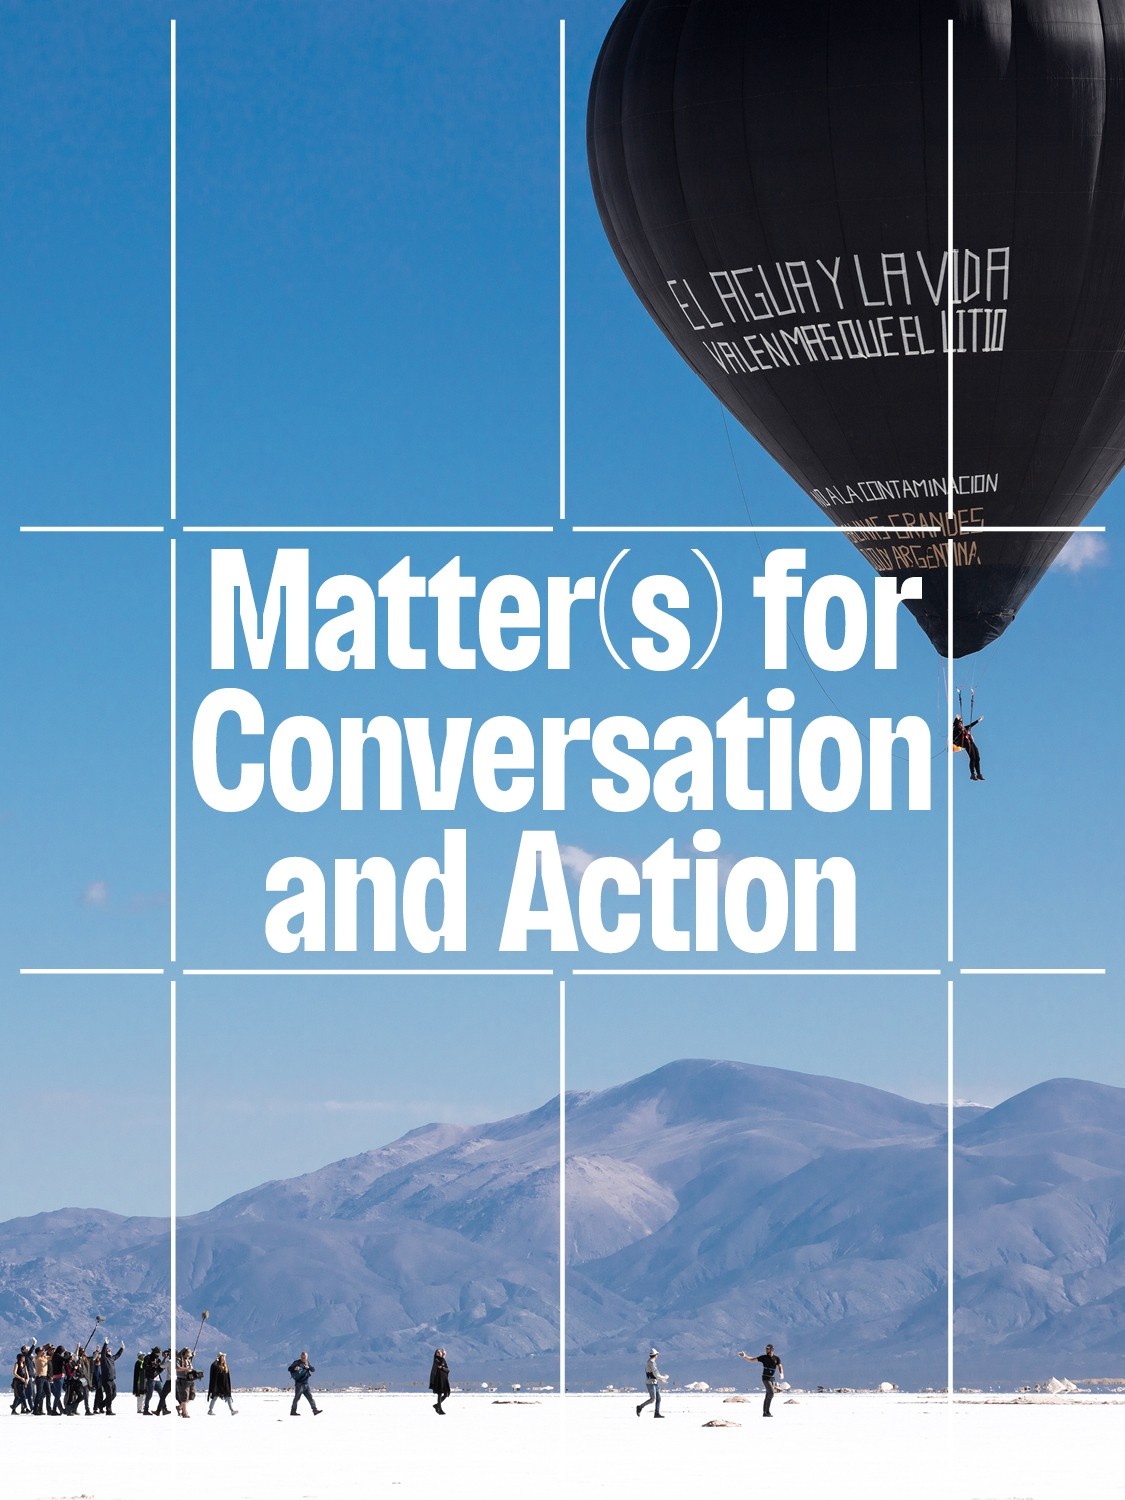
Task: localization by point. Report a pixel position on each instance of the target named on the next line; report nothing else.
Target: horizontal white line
(1033, 971)
(763, 973)
(873, 526)
(356, 530)
(981, 530)
(868, 528)
(361, 973)
(91, 971)
(92, 528)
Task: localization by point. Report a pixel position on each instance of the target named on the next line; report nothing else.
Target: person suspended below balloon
(963, 740)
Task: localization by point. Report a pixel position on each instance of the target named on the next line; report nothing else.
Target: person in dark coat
(153, 1374)
(771, 1373)
(218, 1385)
(139, 1381)
(165, 1384)
(439, 1380)
(78, 1384)
(109, 1376)
(302, 1373)
(58, 1380)
(96, 1377)
(22, 1381)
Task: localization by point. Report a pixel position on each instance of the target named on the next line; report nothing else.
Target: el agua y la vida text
(741, 760)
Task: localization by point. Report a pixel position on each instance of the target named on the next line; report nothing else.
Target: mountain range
(710, 1206)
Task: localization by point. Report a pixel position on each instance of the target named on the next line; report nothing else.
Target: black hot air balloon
(772, 176)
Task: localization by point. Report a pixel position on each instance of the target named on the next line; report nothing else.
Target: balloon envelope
(773, 180)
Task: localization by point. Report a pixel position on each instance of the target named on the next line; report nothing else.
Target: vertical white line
(949, 759)
(172, 855)
(949, 1192)
(562, 1188)
(172, 1204)
(950, 272)
(172, 1207)
(562, 270)
(172, 284)
(950, 265)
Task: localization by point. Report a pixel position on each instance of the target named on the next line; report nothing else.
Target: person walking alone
(218, 1385)
(302, 1372)
(439, 1379)
(653, 1380)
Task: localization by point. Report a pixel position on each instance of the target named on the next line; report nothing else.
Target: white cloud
(575, 860)
(96, 894)
(1085, 549)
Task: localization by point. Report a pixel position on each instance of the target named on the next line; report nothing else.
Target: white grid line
(562, 270)
(173, 1204)
(757, 973)
(172, 278)
(1025, 530)
(1032, 971)
(828, 530)
(367, 973)
(949, 1191)
(172, 1195)
(64, 530)
(365, 530)
(562, 1188)
(88, 973)
(173, 888)
(950, 270)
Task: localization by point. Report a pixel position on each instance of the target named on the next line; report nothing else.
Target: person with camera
(185, 1381)
(302, 1373)
(154, 1373)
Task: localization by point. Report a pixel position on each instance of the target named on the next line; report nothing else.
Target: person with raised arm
(771, 1374)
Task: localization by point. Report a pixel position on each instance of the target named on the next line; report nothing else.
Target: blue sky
(368, 333)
